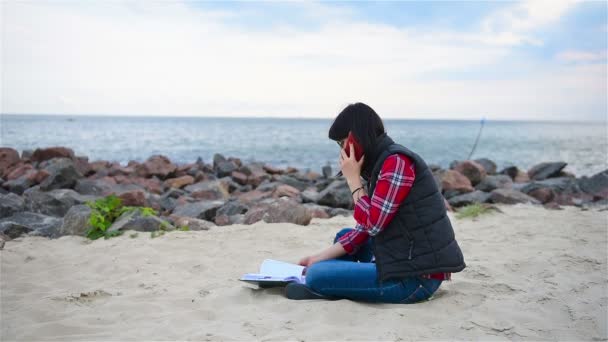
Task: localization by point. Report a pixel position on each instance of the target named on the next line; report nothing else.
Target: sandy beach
(533, 274)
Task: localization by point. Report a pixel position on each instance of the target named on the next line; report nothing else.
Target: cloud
(582, 56)
(168, 58)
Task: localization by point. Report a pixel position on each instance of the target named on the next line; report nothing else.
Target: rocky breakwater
(44, 192)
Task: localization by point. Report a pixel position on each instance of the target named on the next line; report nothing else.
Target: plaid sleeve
(354, 239)
(393, 185)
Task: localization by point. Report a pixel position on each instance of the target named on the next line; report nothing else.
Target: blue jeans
(354, 277)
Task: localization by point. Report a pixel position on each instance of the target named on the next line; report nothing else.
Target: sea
(304, 143)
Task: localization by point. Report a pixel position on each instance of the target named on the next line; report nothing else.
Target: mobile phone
(357, 147)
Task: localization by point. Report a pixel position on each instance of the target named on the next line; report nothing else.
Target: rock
(8, 158)
(268, 186)
(81, 163)
(76, 221)
(437, 177)
(209, 190)
(287, 191)
(179, 182)
(205, 210)
(136, 220)
(454, 180)
(225, 168)
(156, 165)
(255, 214)
(27, 154)
(95, 187)
(510, 171)
(292, 181)
(136, 198)
(546, 170)
(55, 202)
(326, 170)
(521, 177)
(488, 165)
(193, 224)
(510, 196)
(289, 211)
(340, 212)
(273, 170)
(448, 207)
(32, 223)
(41, 176)
(337, 194)
(469, 198)
(310, 195)
(239, 177)
(232, 207)
(62, 175)
(474, 171)
(11, 204)
(19, 185)
(17, 171)
(3, 239)
(256, 174)
(318, 211)
(543, 195)
(434, 167)
(553, 206)
(229, 184)
(253, 196)
(596, 185)
(42, 154)
(494, 182)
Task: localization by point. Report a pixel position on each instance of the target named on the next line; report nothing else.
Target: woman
(403, 245)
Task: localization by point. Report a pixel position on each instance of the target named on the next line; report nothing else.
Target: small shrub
(474, 210)
(105, 211)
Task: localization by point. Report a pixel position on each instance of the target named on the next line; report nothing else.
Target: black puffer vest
(419, 239)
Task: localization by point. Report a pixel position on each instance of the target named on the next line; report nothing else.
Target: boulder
(20, 185)
(76, 221)
(254, 196)
(8, 158)
(179, 182)
(205, 210)
(239, 177)
(62, 175)
(474, 171)
(232, 207)
(285, 210)
(310, 195)
(208, 190)
(492, 182)
(596, 185)
(18, 170)
(318, 211)
(292, 181)
(11, 204)
(55, 202)
(272, 170)
(30, 223)
(546, 170)
(285, 190)
(454, 180)
(136, 198)
(543, 195)
(469, 198)
(192, 223)
(340, 212)
(337, 194)
(96, 187)
(136, 220)
(157, 165)
(510, 196)
(42, 154)
(488, 165)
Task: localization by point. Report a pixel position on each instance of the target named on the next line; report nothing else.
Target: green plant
(184, 228)
(105, 211)
(474, 210)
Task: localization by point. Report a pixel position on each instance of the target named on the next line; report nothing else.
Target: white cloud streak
(166, 58)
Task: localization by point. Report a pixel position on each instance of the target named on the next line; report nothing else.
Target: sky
(539, 60)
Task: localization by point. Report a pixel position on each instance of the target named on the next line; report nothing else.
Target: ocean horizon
(303, 142)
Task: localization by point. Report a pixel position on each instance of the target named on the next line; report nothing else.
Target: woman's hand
(308, 261)
(351, 168)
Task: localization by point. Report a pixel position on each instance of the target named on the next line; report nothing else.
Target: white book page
(283, 269)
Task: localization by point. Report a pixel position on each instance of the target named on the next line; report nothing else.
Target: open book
(276, 273)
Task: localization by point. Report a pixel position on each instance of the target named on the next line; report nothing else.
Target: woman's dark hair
(366, 126)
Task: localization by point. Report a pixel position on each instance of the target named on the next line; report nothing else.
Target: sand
(533, 274)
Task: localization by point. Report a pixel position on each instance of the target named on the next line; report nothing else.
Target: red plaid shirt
(374, 214)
